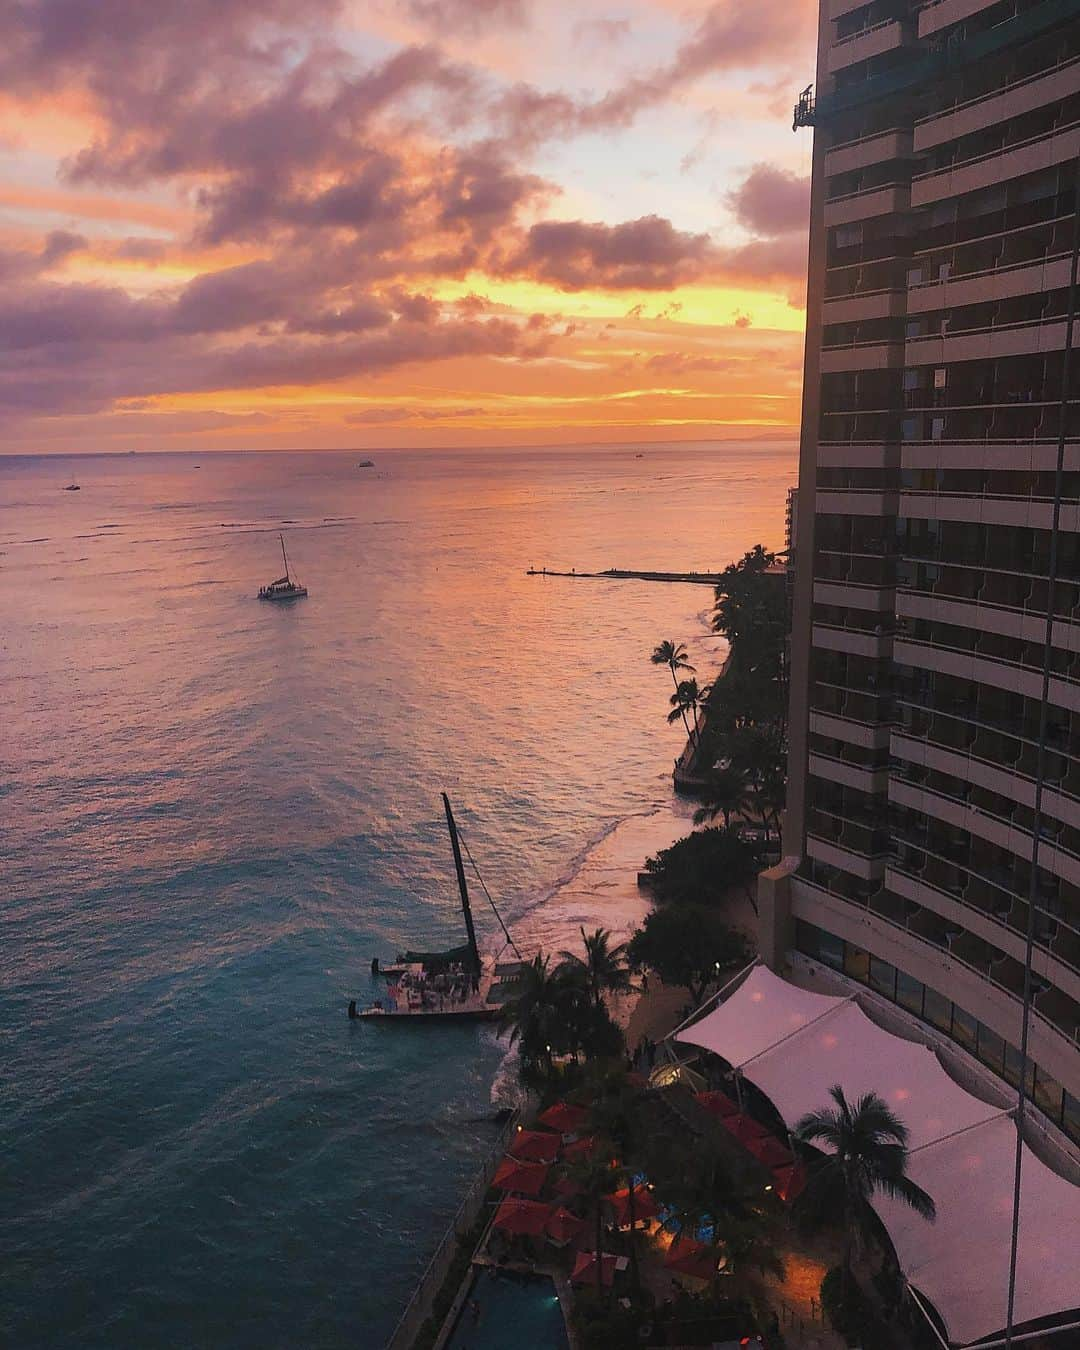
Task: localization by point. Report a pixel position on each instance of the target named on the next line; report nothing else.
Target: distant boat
(450, 986)
(366, 464)
(73, 487)
(285, 588)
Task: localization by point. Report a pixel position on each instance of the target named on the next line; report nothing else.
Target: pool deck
(480, 1261)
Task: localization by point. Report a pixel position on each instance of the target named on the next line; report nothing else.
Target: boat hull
(429, 1015)
(281, 597)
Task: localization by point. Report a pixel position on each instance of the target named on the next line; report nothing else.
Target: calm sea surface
(213, 812)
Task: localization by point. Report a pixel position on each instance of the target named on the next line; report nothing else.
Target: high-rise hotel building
(944, 204)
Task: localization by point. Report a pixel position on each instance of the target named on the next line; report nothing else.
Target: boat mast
(283, 557)
(460, 866)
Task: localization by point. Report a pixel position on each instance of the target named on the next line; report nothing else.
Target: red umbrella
(563, 1227)
(526, 1178)
(744, 1128)
(534, 1146)
(580, 1148)
(644, 1205)
(789, 1181)
(770, 1151)
(585, 1269)
(687, 1257)
(566, 1187)
(564, 1117)
(522, 1216)
(717, 1103)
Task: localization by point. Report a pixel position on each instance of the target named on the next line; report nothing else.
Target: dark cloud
(645, 254)
(771, 201)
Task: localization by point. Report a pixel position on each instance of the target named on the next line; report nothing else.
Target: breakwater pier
(628, 574)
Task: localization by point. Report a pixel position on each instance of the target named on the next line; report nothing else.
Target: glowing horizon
(399, 226)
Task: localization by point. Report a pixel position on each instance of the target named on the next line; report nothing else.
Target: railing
(943, 954)
(993, 93)
(1002, 149)
(418, 1308)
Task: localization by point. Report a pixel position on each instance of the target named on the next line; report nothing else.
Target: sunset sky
(284, 223)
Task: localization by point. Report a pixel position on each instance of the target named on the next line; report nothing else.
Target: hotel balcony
(877, 201)
(858, 864)
(1009, 456)
(857, 705)
(996, 671)
(835, 770)
(997, 166)
(988, 774)
(878, 148)
(981, 923)
(981, 824)
(865, 44)
(854, 641)
(982, 344)
(1025, 625)
(859, 308)
(1013, 100)
(857, 455)
(975, 985)
(855, 503)
(862, 356)
(854, 596)
(868, 735)
(998, 283)
(982, 508)
(939, 14)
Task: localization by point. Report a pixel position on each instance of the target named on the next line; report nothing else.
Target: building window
(1070, 1115)
(991, 1049)
(965, 1029)
(937, 1010)
(1048, 1094)
(940, 377)
(909, 993)
(857, 963)
(883, 978)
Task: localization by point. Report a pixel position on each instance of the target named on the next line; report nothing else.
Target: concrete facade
(943, 207)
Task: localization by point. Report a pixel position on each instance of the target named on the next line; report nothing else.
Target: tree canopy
(688, 945)
(702, 868)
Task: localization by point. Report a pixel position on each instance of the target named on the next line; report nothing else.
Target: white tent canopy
(961, 1262)
(847, 1048)
(763, 1010)
(795, 1045)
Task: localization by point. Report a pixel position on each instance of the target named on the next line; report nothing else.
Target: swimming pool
(515, 1311)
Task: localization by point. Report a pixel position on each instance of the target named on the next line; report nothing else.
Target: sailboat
(459, 984)
(285, 588)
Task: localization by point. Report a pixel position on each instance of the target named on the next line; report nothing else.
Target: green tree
(673, 655)
(702, 868)
(603, 966)
(867, 1153)
(687, 945)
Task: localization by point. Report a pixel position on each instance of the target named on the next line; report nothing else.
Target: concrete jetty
(627, 574)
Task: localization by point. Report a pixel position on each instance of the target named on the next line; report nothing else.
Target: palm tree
(706, 1197)
(868, 1153)
(533, 1015)
(688, 697)
(604, 967)
(673, 655)
(596, 1178)
(614, 1114)
(727, 794)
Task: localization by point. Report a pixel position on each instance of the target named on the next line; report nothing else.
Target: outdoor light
(767, 1189)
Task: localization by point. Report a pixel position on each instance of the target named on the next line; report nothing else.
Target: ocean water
(214, 812)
